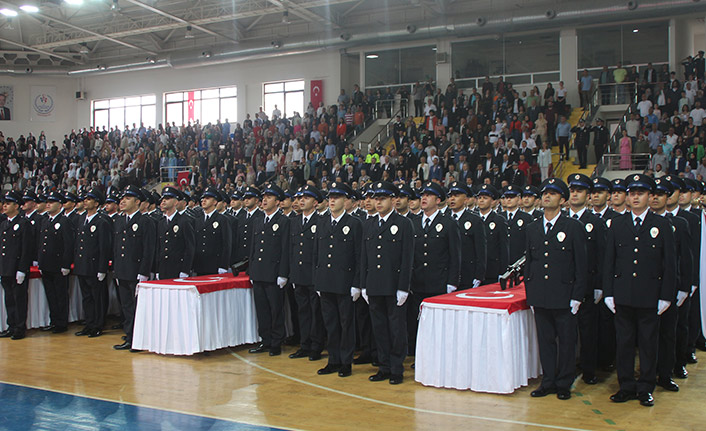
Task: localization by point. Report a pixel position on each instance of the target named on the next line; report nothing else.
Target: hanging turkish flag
(317, 92)
(190, 113)
(183, 179)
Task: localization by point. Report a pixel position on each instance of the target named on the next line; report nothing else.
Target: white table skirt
(471, 349)
(180, 321)
(38, 307)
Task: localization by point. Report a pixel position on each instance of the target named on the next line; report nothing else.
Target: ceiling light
(285, 17)
(8, 12)
(84, 49)
(635, 30)
(189, 34)
(276, 44)
(74, 2)
(151, 60)
(29, 8)
(114, 6)
(371, 56)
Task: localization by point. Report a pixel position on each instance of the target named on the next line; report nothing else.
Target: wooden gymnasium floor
(254, 392)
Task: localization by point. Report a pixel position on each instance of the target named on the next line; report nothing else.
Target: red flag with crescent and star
(317, 92)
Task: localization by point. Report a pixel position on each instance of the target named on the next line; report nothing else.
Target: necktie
(305, 221)
(333, 224)
(576, 216)
(638, 223)
(455, 216)
(509, 217)
(549, 227)
(267, 220)
(669, 215)
(426, 224)
(382, 222)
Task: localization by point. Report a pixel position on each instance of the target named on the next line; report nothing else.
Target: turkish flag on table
(490, 297)
(183, 179)
(317, 92)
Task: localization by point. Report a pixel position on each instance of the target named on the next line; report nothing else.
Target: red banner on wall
(190, 113)
(317, 92)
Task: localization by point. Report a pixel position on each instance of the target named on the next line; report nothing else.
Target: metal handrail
(381, 104)
(379, 136)
(638, 162)
(169, 173)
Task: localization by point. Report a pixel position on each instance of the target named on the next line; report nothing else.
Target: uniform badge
(674, 229)
(636, 178)
(654, 232)
(520, 222)
(275, 227)
(32, 221)
(313, 228)
(561, 236)
(346, 229)
(467, 225)
(93, 228)
(438, 227)
(57, 226)
(492, 225)
(176, 229)
(608, 222)
(393, 229)
(16, 227)
(134, 227)
(589, 227)
(215, 225)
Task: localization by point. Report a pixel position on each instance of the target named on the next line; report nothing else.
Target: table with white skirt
(38, 307)
(481, 339)
(195, 314)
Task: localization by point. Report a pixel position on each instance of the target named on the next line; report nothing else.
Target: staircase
(571, 166)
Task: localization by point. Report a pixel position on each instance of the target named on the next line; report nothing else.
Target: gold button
(637, 238)
(378, 266)
(634, 274)
(259, 259)
(635, 262)
(546, 254)
(546, 277)
(329, 266)
(379, 236)
(635, 250)
(378, 256)
(329, 256)
(425, 264)
(546, 265)
(546, 242)
(379, 247)
(330, 246)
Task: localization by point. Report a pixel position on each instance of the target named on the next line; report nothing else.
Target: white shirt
(457, 214)
(552, 221)
(640, 216)
(430, 218)
(384, 219)
(579, 213)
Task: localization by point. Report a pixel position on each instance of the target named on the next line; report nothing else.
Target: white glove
(450, 288)
(101, 276)
(574, 304)
(222, 271)
(141, 278)
(610, 303)
(355, 293)
(662, 306)
(65, 272)
(19, 277)
(281, 281)
(153, 276)
(476, 283)
(597, 295)
(156, 276)
(318, 293)
(693, 289)
(681, 297)
(364, 294)
(401, 297)
(35, 263)
(183, 275)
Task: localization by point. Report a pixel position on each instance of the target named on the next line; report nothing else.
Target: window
(400, 66)
(627, 43)
(207, 105)
(125, 111)
(286, 96)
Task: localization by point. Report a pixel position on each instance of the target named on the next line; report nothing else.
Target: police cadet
(495, 233)
(588, 318)
(175, 239)
(618, 196)
(337, 277)
(182, 208)
(437, 256)
(91, 257)
(473, 243)
(213, 237)
(686, 311)
(639, 280)
(222, 208)
(555, 280)
(111, 205)
(581, 141)
(530, 194)
(286, 205)
(15, 260)
(29, 210)
(415, 203)
(674, 323)
(386, 271)
(70, 201)
(55, 256)
(600, 139)
(517, 221)
(693, 188)
(269, 270)
(600, 194)
(402, 202)
(133, 253)
(251, 197)
(302, 233)
(367, 344)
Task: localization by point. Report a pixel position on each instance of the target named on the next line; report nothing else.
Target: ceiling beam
(41, 51)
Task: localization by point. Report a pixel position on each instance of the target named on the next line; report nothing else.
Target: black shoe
(680, 372)
(124, 337)
(47, 328)
(692, 359)
(363, 359)
(84, 331)
(668, 384)
(608, 368)
(542, 392)
(275, 351)
(379, 377)
(329, 369)
(623, 396)
(95, 333)
(590, 379)
(6, 334)
(314, 356)
(301, 353)
(375, 363)
(646, 399)
(396, 379)
(59, 329)
(124, 346)
(135, 351)
(259, 349)
(563, 394)
(117, 326)
(345, 371)
(18, 335)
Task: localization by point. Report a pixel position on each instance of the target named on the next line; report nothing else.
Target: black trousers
(598, 150)
(588, 320)
(695, 321)
(666, 353)
(269, 304)
(637, 326)
(56, 287)
(364, 329)
(291, 301)
(556, 334)
(418, 108)
(339, 318)
(606, 336)
(390, 328)
(682, 346)
(311, 325)
(16, 303)
(95, 300)
(413, 303)
(128, 303)
(582, 151)
(564, 145)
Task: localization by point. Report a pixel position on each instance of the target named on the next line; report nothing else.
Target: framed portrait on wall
(6, 100)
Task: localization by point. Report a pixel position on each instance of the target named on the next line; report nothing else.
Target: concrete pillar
(568, 65)
(444, 72)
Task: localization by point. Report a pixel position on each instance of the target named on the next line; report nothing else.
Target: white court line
(145, 406)
(400, 406)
